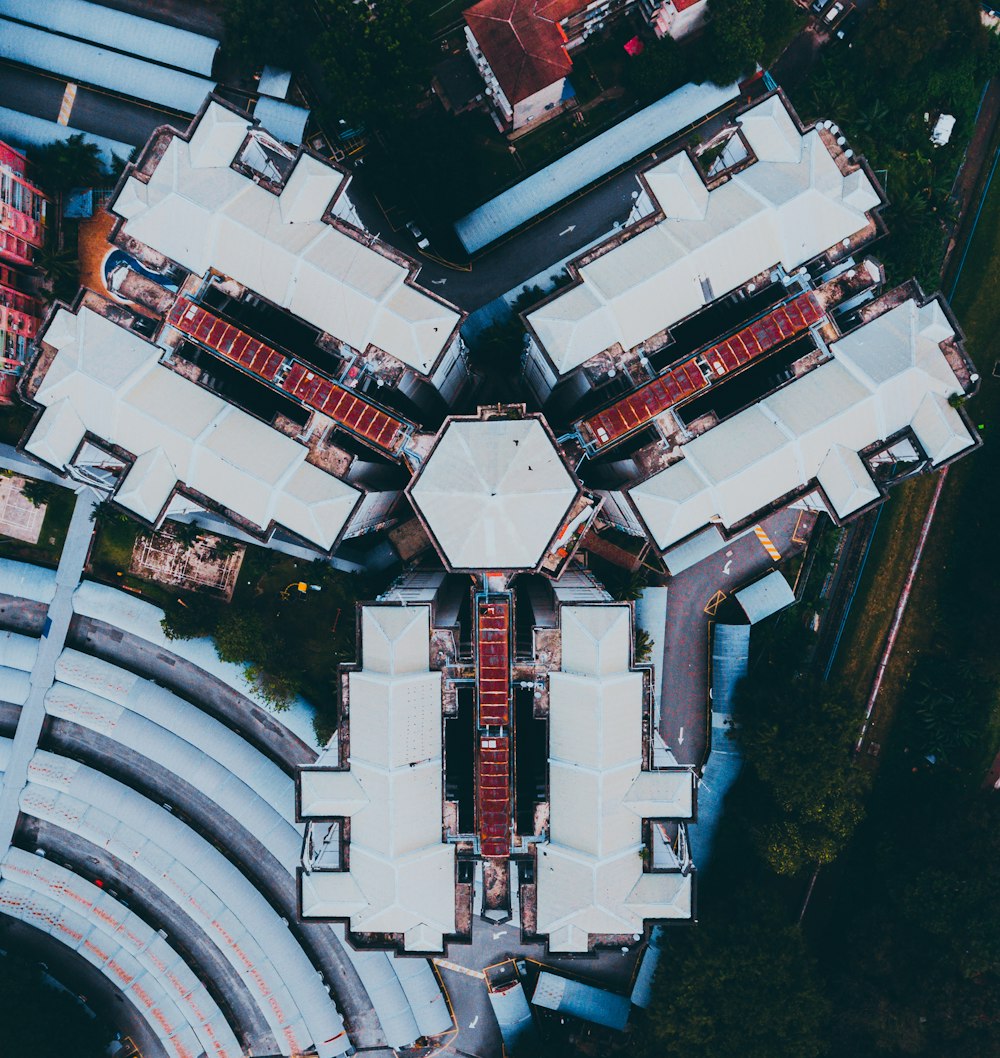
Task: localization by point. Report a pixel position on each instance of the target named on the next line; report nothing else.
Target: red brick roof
(683, 5)
(523, 42)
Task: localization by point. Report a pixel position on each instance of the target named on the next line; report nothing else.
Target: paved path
(29, 727)
(685, 675)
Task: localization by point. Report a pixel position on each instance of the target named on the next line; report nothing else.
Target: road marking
(765, 543)
(68, 99)
(474, 1022)
(714, 603)
(446, 965)
(726, 568)
(572, 227)
(680, 736)
(502, 933)
(439, 282)
(796, 539)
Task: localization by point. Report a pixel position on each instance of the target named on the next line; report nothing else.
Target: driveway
(684, 709)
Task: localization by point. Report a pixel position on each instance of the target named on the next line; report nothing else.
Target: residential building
(675, 18)
(20, 319)
(257, 354)
(531, 678)
(22, 209)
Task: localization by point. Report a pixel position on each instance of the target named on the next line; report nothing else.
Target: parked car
(833, 13)
(818, 5)
(421, 240)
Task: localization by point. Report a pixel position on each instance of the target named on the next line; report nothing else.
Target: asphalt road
(218, 699)
(74, 972)
(99, 113)
(685, 675)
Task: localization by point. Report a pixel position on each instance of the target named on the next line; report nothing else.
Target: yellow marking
(446, 965)
(796, 539)
(714, 603)
(68, 99)
(765, 543)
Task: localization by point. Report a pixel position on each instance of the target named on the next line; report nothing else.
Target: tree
(643, 645)
(375, 59)
(36, 492)
(260, 31)
(70, 163)
(739, 987)
(797, 736)
(61, 268)
(742, 33)
(187, 534)
(44, 1021)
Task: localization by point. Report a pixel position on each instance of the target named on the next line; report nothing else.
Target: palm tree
(61, 268)
(72, 162)
(185, 533)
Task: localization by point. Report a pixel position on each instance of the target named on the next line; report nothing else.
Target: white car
(421, 240)
(834, 13)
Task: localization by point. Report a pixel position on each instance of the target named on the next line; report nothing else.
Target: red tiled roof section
(523, 42)
(683, 5)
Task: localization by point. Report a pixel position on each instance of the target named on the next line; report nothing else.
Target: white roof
(98, 24)
(190, 872)
(765, 596)
(107, 380)
(25, 581)
(887, 375)
(590, 878)
(494, 493)
(183, 1009)
(203, 214)
(790, 205)
(402, 875)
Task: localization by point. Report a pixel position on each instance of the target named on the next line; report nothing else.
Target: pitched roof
(522, 42)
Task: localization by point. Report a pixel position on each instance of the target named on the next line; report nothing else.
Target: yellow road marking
(446, 965)
(68, 99)
(714, 603)
(765, 543)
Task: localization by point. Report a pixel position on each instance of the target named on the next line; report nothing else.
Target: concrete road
(29, 726)
(685, 675)
(183, 934)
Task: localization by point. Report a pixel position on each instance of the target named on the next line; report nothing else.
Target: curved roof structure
(89, 64)
(99, 24)
(494, 493)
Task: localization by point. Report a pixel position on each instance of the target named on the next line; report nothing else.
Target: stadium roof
(99, 24)
(89, 64)
(789, 206)
(589, 162)
(885, 376)
(25, 131)
(200, 212)
(402, 876)
(106, 381)
(589, 876)
(494, 493)
(765, 596)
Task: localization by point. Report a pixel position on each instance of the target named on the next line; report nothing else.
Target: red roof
(523, 42)
(683, 5)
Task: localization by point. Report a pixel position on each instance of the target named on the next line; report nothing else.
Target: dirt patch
(205, 565)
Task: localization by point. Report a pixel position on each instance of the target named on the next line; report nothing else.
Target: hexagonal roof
(494, 493)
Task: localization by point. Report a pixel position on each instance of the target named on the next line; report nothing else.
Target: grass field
(955, 599)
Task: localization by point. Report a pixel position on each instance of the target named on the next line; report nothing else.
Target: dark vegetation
(59, 503)
(899, 68)
(42, 1020)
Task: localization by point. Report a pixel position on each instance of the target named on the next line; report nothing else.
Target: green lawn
(59, 509)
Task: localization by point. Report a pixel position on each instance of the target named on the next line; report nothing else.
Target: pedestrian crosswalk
(766, 544)
(446, 965)
(68, 99)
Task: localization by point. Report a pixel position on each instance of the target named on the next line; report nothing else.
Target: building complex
(500, 758)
